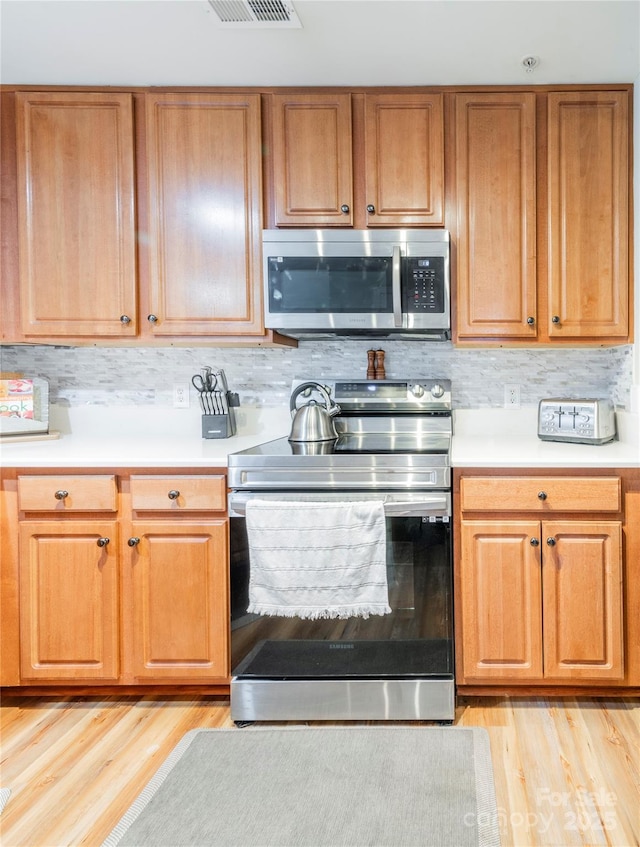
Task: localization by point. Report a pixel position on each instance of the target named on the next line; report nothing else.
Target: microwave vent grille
(256, 13)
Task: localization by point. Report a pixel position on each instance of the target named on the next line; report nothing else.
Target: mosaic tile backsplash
(262, 376)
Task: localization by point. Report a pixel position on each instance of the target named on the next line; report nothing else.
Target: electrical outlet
(512, 396)
(180, 396)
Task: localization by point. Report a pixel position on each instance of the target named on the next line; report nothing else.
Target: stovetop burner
(355, 444)
(393, 434)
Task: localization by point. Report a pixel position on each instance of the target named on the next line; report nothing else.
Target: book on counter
(24, 405)
(16, 398)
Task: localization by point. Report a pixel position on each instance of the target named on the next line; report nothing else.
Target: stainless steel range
(393, 447)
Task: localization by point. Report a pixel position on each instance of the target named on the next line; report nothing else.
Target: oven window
(416, 639)
(330, 285)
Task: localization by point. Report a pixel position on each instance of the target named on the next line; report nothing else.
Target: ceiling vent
(256, 14)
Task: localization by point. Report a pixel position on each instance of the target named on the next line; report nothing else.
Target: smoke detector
(256, 14)
(530, 63)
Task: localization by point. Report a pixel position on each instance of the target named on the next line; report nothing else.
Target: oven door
(391, 667)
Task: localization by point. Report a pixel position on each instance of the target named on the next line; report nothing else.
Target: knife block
(219, 426)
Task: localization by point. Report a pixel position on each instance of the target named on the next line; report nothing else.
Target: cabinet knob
(555, 319)
(534, 542)
(173, 494)
(102, 542)
(371, 209)
(153, 319)
(551, 541)
(542, 495)
(125, 319)
(531, 320)
(344, 209)
(61, 494)
(133, 542)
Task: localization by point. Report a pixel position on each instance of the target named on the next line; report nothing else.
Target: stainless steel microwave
(383, 283)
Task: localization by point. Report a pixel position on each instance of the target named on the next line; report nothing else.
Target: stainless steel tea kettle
(313, 422)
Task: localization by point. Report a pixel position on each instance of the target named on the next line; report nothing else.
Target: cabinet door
(69, 600)
(588, 216)
(76, 214)
(582, 599)
(204, 214)
(312, 159)
(501, 600)
(496, 200)
(178, 574)
(404, 155)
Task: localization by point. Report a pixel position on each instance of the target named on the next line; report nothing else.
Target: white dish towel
(317, 559)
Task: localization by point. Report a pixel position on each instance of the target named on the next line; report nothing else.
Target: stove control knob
(417, 390)
(437, 390)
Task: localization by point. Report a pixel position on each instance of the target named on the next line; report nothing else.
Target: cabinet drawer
(540, 494)
(67, 493)
(179, 493)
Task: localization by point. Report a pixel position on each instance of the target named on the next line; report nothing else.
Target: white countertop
(496, 438)
(152, 437)
(140, 437)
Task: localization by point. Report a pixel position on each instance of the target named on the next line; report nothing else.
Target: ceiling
(341, 42)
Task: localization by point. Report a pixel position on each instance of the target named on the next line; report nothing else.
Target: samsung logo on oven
(341, 646)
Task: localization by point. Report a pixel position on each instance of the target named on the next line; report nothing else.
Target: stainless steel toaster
(576, 420)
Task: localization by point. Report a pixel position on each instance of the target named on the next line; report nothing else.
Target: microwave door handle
(396, 289)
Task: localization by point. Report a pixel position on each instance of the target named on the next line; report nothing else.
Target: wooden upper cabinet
(312, 159)
(404, 174)
(588, 215)
(75, 179)
(203, 157)
(496, 218)
(388, 172)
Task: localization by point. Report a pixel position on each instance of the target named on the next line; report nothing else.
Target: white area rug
(5, 793)
(380, 786)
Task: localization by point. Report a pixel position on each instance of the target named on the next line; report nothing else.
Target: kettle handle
(303, 387)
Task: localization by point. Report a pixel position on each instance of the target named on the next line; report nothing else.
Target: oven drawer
(179, 493)
(66, 493)
(540, 494)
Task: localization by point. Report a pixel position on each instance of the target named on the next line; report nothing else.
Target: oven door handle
(437, 504)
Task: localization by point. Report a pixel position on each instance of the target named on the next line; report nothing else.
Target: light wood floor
(567, 772)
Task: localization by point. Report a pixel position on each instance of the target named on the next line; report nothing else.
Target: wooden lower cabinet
(122, 579)
(545, 579)
(178, 578)
(541, 601)
(69, 600)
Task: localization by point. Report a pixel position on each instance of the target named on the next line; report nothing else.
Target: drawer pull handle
(102, 542)
(534, 542)
(551, 541)
(133, 542)
(61, 494)
(173, 494)
(542, 495)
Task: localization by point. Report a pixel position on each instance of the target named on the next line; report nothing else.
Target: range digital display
(371, 390)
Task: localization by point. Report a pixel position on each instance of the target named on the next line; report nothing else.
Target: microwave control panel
(424, 284)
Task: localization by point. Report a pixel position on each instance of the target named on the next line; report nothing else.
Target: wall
(90, 375)
(635, 389)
